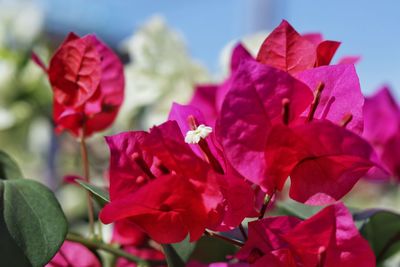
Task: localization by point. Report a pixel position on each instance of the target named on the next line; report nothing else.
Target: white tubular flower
(194, 136)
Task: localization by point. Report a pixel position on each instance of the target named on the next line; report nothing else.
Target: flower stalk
(93, 244)
(86, 175)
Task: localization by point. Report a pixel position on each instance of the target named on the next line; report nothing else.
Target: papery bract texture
(382, 130)
(157, 182)
(169, 202)
(75, 70)
(341, 95)
(327, 239)
(252, 106)
(87, 80)
(287, 50)
(323, 160)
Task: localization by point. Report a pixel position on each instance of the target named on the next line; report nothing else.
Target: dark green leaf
(9, 168)
(101, 196)
(33, 218)
(172, 257)
(209, 249)
(10, 253)
(382, 230)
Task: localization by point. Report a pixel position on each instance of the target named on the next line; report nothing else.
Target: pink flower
(327, 239)
(74, 255)
(382, 129)
(271, 127)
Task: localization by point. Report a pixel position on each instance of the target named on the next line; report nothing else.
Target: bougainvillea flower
(132, 177)
(216, 180)
(167, 202)
(341, 95)
(381, 117)
(265, 151)
(73, 254)
(382, 127)
(288, 50)
(167, 185)
(126, 233)
(88, 84)
(323, 160)
(75, 70)
(135, 242)
(285, 241)
(238, 194)
(257, 92)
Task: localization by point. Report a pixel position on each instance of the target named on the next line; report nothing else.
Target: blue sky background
(367, 28)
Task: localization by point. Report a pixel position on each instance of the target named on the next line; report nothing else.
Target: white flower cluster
(160, 72)
(21, 21)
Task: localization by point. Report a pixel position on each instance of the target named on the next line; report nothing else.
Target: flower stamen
(285, 111)
(142, 165)
(194, 136)
(316, 100)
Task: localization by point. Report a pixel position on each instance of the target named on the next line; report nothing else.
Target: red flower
(327, 239)
(168, 202)
(323, 161)
(237, 193)
(88, 85)
(287, 50)
(158, 182)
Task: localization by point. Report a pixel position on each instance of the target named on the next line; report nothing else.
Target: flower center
(194, 136)
(198, 135)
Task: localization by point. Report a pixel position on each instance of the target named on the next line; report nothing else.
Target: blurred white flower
(21, 21)
(251, 42)
(39, 136)
(7, 119)
(7, 71)
(160, 72)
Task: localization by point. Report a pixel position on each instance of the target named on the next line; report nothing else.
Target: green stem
(227, 239)
(105, 247)
(86, 173)
(243, 231)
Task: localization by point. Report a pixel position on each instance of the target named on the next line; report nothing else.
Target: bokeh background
(366, 28)
(167, 48)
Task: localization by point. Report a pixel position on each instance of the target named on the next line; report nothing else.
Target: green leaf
(209, 249)
(184, 249)
(9, 168)
(292, 208)
(172, 257)
(382, 230)
(33, 219)
(10, 253)
(101, 196)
